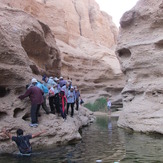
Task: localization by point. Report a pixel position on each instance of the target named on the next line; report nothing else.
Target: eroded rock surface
(140, 53)
(86, 38)
(58, 131)
(25, 48)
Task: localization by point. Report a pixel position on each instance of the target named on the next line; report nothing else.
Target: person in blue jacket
(45, 90)
(71, 100)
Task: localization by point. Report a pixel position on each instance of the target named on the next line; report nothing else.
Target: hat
(61, 77)
(33, 80)
(56, 79)
(70, 81)
(72, 87)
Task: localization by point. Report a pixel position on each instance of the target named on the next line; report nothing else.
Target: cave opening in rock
(4, 91)
(17, 112)
(124, 53)
(26, 117)
(2, 115)
(36, 49)
(35, 69)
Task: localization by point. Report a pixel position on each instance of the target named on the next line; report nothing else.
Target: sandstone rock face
(28, 49)
(86, 38)
(140, 53)
(70, 19)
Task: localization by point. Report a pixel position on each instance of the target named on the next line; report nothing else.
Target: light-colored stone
(70, 19)
(58, 131)
(24, 48)
(86, 38)
(140, 53)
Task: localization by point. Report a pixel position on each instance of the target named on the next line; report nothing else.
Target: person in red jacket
(36, 96)
(62, 102)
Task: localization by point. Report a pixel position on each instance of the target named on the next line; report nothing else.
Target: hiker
(48, 82)
(22, 141)
(36, 96)
(51, 98)
(62, 102)
(45, 90)
(77, 96)
(66, 88)
(62, 82)
(71, 100)
(54, 99)
(70, 84)
(109, 106)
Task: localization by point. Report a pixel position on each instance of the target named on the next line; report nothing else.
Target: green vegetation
(99, 105)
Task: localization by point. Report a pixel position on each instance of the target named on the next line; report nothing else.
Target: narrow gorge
(69, 38)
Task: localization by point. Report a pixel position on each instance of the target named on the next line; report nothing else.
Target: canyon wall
(139, 50)
(74, 39)
(86, 38)
(28, 49)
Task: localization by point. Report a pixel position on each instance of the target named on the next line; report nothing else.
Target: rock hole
(159, 44)
(26, 117)
(36, 48)
(2, 115)
(34, 69)
(17, 112)
(124, 53)
(4, 91)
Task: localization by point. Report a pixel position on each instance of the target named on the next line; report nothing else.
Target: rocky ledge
(58, 131)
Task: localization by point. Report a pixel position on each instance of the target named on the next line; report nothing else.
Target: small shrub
(98, 105)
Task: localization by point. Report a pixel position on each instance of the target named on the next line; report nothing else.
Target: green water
(102, 140)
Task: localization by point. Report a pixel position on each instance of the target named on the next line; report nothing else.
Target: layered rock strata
(28, 49)
(140, 53)
(86, 38)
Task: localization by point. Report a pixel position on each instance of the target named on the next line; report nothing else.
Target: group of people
(61, 94)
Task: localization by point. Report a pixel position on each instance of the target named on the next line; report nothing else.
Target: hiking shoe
(33, 125)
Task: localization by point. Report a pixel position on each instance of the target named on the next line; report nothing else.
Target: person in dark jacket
(22, 141)
(77, 96)
(36, 96)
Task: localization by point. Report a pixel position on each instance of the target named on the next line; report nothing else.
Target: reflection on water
(104, 141)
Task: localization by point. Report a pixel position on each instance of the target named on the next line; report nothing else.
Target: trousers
(34, 113)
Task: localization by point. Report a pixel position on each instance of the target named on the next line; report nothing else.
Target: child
(62, 103)
(109, 106)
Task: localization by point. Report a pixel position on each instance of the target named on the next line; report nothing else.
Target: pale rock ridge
(140, 53)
